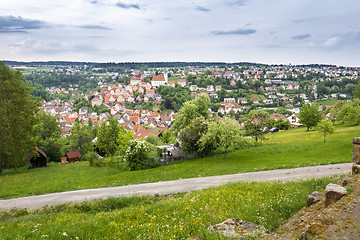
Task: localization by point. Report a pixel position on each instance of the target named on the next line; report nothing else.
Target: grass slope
(293, 148)
(172, 217)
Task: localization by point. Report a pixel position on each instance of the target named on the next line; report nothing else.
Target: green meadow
(178, 216)
(288, 149)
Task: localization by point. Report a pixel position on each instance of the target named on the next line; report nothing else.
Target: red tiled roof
(158, 78)
(143, 132)
(134, 118)
(72, 155)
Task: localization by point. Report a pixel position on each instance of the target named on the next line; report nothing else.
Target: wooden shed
(38, 160)
(72, 157)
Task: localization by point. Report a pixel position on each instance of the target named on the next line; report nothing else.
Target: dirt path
(184, 185)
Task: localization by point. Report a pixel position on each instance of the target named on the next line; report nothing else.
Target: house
(71, 157)
(229, 100)
(210, 88)
(158, 81)
(135, 119)
(255, 100)
(150, 93)
(277, 116)
(218, 88)
(96, 101)
(213, 95)
(294, 121)
(144, 132)
(243, 100)
(39, 160)
(193, 88)
(182, 82)
(134, 80)
(268, 101)
(171, 83)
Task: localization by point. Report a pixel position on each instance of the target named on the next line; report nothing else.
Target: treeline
(133, 65)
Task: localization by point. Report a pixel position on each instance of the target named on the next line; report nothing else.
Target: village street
(182, 185)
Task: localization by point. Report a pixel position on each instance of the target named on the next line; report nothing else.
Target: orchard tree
(17, 119)
(310, 116)
(225, 134)
(350, 113)
(325, 126)
(282, 124)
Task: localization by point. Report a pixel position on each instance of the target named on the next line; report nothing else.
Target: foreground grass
(172, 217)
(293, 148)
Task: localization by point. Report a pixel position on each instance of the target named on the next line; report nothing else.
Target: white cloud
(162, 30)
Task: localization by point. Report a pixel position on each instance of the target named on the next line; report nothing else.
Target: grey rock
(334, 193)
(237, 228)
(355, 169)
(313, 198)
(345, 182)
(356, 154)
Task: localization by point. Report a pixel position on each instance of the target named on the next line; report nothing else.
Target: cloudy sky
(263, 31)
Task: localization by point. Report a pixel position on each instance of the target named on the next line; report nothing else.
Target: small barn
(72, 157)
(39, 159)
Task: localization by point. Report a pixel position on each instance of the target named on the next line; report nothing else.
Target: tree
(80, 138)
(350, 112)
(310, 115)
(282, 124)
(356, 92)
(224, 134)
(325, 126)
(47, 134)
(113, 138)
(190, 111)
(17, 118)
(255, 123)
(136, 155)
(192, 122)
(189, 136)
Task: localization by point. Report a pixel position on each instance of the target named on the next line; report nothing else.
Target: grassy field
(293, 148)
(168, 217)
(331, 101)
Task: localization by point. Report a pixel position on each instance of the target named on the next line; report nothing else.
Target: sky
(261, 31)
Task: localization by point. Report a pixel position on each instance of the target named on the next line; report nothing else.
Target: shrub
(136, 156)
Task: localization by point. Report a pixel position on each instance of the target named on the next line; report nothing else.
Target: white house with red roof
(158, 81)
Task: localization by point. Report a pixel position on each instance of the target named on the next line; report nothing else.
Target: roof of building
(144, 132)
(74, 154)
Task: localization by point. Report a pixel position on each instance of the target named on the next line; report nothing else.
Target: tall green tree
(192, 122)
(225, 134)
(17, 118)
(199, 107)
(47, 134)
(310, 116)
(80, 138)
(356, 92)
(325, 126)
(113, 138)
